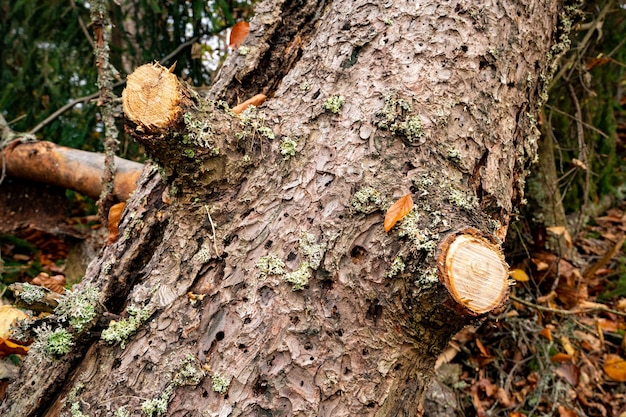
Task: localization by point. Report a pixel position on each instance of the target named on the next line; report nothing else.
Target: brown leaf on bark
(238, 34)
(115, 213)
(398, 211)
(54, 283)
(254, 101)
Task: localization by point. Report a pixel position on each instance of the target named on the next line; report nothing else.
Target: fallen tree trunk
(258, 279)
(74, 169)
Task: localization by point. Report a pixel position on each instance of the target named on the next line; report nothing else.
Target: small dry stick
(213, 230)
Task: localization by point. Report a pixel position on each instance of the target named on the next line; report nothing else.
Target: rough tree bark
(255, 257)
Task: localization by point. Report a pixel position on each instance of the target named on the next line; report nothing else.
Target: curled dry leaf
(398, 211)
(238, 34)
(54, 283)
(9, 348)
(115, 213)
(254, 101)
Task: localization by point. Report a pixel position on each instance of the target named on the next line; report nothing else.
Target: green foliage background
(47, 60)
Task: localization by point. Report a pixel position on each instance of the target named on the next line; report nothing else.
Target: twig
(587, 125)
(106, 73)
(83, 27)
(582, 155)
(564, 312)
(213, 230)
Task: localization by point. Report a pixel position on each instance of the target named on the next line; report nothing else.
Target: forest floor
(557, 348)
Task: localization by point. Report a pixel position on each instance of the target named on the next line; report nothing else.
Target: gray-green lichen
(52, 343)
(461, 199)
(299, 278)
(334, 103)
(396, 117)
(198, 132)
(313, 251)
(220, 384)
(397, 267)
(243, 50)
(253, 125)
(421, 239)
(427, 278)
(288, 147)
(120, 331)
(270, 265)
(188, 373)
(157, 406)
(74, 401)
(79, 307)
(31, 293)
(122, 412)
(367, 200)
(202, 256)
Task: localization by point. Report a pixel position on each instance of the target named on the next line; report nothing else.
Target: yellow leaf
(615, 367)
(519, 275)
(8, 314)
(398, 211)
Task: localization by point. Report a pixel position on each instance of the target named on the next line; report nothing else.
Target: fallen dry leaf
(254, 101)
(615, 367)
(569, 372)
(8, 315)
(519, 275)
(238, 34)
(115, 213)
(398, 211)
(547, 333)
(9, 348)
(566, 412)
(54, 283)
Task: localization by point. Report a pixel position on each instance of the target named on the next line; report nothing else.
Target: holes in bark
(301, 383)
(357, 253)
(339, 332)
(346, 371)
(268, 244)
(327, 284)
(116, 363)
(266, 295)
(260, 386)
(317, 94)
(464, 48)
(374, 312)
(365, 352)
(295, 319)
(371, 404)
(291, 256)
(346, 26)
(204, 393)
(308, 346)
(242, 347)
(397, 367)
(219, 336)
(247, 320)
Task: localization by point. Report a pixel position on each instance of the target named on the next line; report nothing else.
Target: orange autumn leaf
(254, 101)
(398, 211)
(547, 333)
(615, 367)
(9, 348)
(115, 213)
(238, 34)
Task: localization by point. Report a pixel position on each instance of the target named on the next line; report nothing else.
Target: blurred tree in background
(47, 60)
